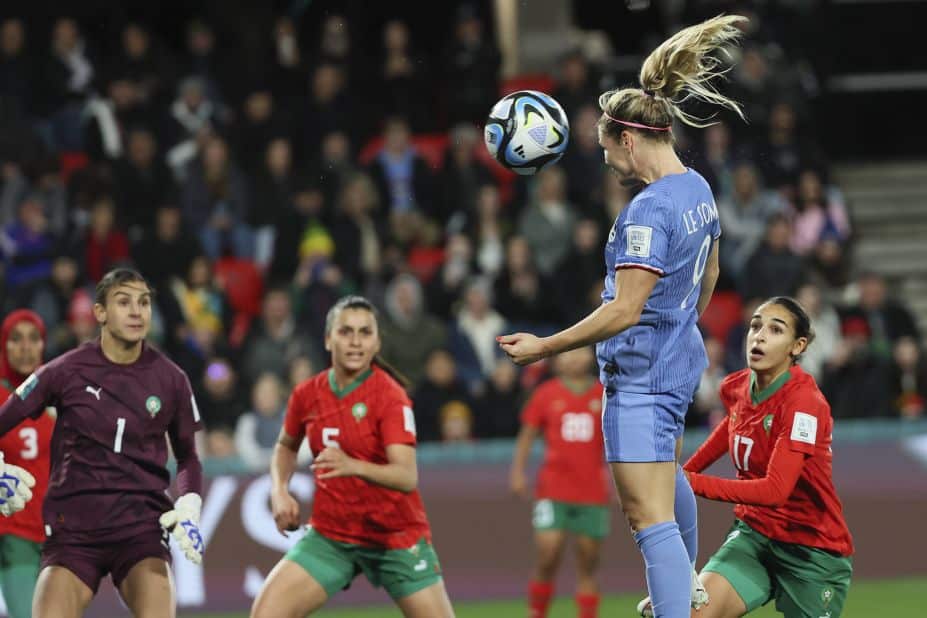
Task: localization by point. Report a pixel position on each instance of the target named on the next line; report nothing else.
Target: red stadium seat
(244, 287)
(533, 81)
(722, 313)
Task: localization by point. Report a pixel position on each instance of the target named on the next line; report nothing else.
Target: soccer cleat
(699, 598)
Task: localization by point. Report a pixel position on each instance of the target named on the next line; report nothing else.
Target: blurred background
(258, 160)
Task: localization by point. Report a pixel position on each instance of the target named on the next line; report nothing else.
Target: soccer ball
(526, 130)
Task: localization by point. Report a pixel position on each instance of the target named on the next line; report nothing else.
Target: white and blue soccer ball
(527, 130)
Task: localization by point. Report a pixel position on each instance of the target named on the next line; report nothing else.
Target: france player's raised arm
(29, 400)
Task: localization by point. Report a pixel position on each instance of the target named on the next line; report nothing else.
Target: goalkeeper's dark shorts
(91, 562)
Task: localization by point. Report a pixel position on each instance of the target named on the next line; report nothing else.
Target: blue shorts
(643, 427)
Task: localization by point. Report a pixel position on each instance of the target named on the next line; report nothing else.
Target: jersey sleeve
(186, 421)
(716, 224)
(397, 422)
(293, 420)
(643, 241)
(804, 419)
(30, 398)
(533, 412)
(711, 450)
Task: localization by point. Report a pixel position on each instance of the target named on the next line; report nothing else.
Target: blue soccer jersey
(668, 229)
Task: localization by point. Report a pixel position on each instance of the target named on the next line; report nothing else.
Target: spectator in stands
(773, 269)
(261, 123)
(276, 339)
(273, 193)
(753, 85)
(855, 379)
(887, 319)
(17, 70)
(105, 245)
(210, 65)
(744, 213)
(143, 65)
(784, 153)
(487, 229)
(27, 249)
(715, 160)
(288, 69)
(52, 300)
(473, 335)
(39, 181)
(305, 209)
(192, 117)
(333, 165)
(142, 182)
(109, 119)
(440, 389)
(471, 69)
(301, 369)
(447, 287)
(402, 78)
(319, 282)
(461, 179)
(522, 294)
(201, 302)
(817, 211)
(401, 175)
(498, 405)
(826, 324)
(543, 222)
(257, 429)
(456, 423)
(579, 277)
(576, 83)
(67, 79)
(582, 162)
(214, 198)
(908, 379)
(219, 397)
(328, 108)
(409, 333)
(355, 230)
(167, 250)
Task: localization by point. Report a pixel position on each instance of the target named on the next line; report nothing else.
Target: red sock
(587, 605)
(539, 594)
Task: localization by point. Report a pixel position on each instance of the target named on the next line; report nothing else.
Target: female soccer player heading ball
(22, 343)
(663, 250)
(367, 515)
(106, 504)
(789, 541)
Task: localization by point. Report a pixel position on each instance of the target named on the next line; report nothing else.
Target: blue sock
(668, 569)
(687, 515)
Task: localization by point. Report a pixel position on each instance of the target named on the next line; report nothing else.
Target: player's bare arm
(709, 278)
(523, 442)
(284, 507)
(632, 289)
(399, 473)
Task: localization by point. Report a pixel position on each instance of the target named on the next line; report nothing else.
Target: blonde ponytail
(682, 67)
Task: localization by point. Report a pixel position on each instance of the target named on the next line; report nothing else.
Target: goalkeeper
(106, 511)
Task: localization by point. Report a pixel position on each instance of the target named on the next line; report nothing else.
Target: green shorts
(590, 520)
(335, 564)
(806, 582)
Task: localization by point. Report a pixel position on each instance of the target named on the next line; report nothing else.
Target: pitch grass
(868, 599)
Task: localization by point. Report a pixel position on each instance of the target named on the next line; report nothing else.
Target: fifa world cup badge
(359, 411)
(153, 405)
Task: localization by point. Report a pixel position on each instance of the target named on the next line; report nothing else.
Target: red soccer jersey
(793, 410)
(27, 446)
(362, 420)
(574, 462)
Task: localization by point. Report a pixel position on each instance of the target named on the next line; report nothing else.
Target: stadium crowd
(254, 194)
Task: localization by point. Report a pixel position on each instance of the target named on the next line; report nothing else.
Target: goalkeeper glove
(15, 488)
(183, 522)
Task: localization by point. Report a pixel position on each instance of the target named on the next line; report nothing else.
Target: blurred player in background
(789, 541)
(663, 250)
(367, 515)
(573, 484)
(116, 398)
(22, 344)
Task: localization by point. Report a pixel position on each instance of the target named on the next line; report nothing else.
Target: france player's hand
(332, 463)
(15, 488)
(183, 522)
(522, 348)
(285, 510)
